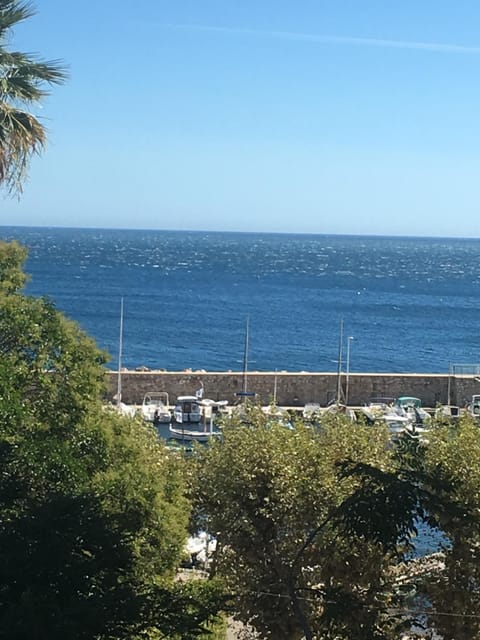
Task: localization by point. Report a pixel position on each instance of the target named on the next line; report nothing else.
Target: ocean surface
(408, 304)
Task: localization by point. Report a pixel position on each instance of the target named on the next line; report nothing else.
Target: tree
(276, 499)
(93, 516)
(453, 455)
(23, 82)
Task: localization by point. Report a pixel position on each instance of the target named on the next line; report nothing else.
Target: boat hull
(190, 434)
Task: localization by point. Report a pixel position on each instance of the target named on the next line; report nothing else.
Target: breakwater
(296, 389)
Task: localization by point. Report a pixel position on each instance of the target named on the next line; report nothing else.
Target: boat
(126, 409)
(338, 408)
(155, 407)
(193, 435)
(199, 550)
(209, 409)
(277, 415)
(448, 412)
(311, 411)
(412, 409)
(383, 410)
(376, 408)
(187, 409)
(474, 406)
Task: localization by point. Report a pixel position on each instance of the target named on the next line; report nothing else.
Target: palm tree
(23, 81)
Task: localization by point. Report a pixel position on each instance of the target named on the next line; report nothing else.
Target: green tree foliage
(453, 455)
(315, 528)
(23, 82)
(276, 501)
(93, 516)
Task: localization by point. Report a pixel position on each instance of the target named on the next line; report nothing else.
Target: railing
(464, 369)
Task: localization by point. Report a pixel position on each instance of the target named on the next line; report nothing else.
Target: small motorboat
(155, 408)
(473, 407)
(191, 435)
(311, 411)
(412, 409)
(400, 418)
(187, 410)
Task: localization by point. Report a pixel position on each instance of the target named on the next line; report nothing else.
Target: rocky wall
(296, 389)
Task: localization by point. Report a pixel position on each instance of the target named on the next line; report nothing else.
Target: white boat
(193, 435)
(209, 410)
(155, 407)
(337, 408)
(187, 409)
(311, 410)
(200, 549)
(126, 409)
(377, 408)
(448, 411)
(474, 406)
(277, 415)
(380, 410)
(399, 425)
(412, 409)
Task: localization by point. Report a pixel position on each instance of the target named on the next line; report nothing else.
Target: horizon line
(256, 232)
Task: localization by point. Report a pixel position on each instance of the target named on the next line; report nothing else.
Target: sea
(376, 303)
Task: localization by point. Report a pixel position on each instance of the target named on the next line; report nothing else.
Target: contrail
(325, 39)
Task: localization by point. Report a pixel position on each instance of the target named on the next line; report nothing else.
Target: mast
(339, 372)
(120, 347)
(245, 356)
(449, 387)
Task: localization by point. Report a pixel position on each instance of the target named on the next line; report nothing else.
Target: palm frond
(14, 63)
(24, 81)
(13, 12)
(21, 137)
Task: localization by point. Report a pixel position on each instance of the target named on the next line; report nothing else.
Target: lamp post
(349, 339)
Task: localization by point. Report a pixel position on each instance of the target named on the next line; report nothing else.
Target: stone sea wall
(296, 389)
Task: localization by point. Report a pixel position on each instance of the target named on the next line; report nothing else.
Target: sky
(313, 116)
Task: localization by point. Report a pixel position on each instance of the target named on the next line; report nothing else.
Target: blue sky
(314, 116)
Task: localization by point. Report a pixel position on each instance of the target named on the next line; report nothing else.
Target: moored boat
(311, 411)
(155, 407)
(473, 407)
(412, 408)
(338, 408)
(194, 435)
(278, 415)
(209, 410)
(383, 410)
(187, 410)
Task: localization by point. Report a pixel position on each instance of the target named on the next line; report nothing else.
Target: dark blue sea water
(411, 304)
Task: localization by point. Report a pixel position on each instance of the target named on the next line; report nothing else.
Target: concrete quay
(295, 389)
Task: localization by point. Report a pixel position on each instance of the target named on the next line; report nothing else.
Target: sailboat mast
(120, 347)
(245, 356)
(339, 372)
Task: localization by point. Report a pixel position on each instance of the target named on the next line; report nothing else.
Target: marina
(193, 419)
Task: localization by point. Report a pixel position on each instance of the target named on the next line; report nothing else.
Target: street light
(349, 339)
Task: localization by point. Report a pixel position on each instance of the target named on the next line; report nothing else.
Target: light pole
(349, 339)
